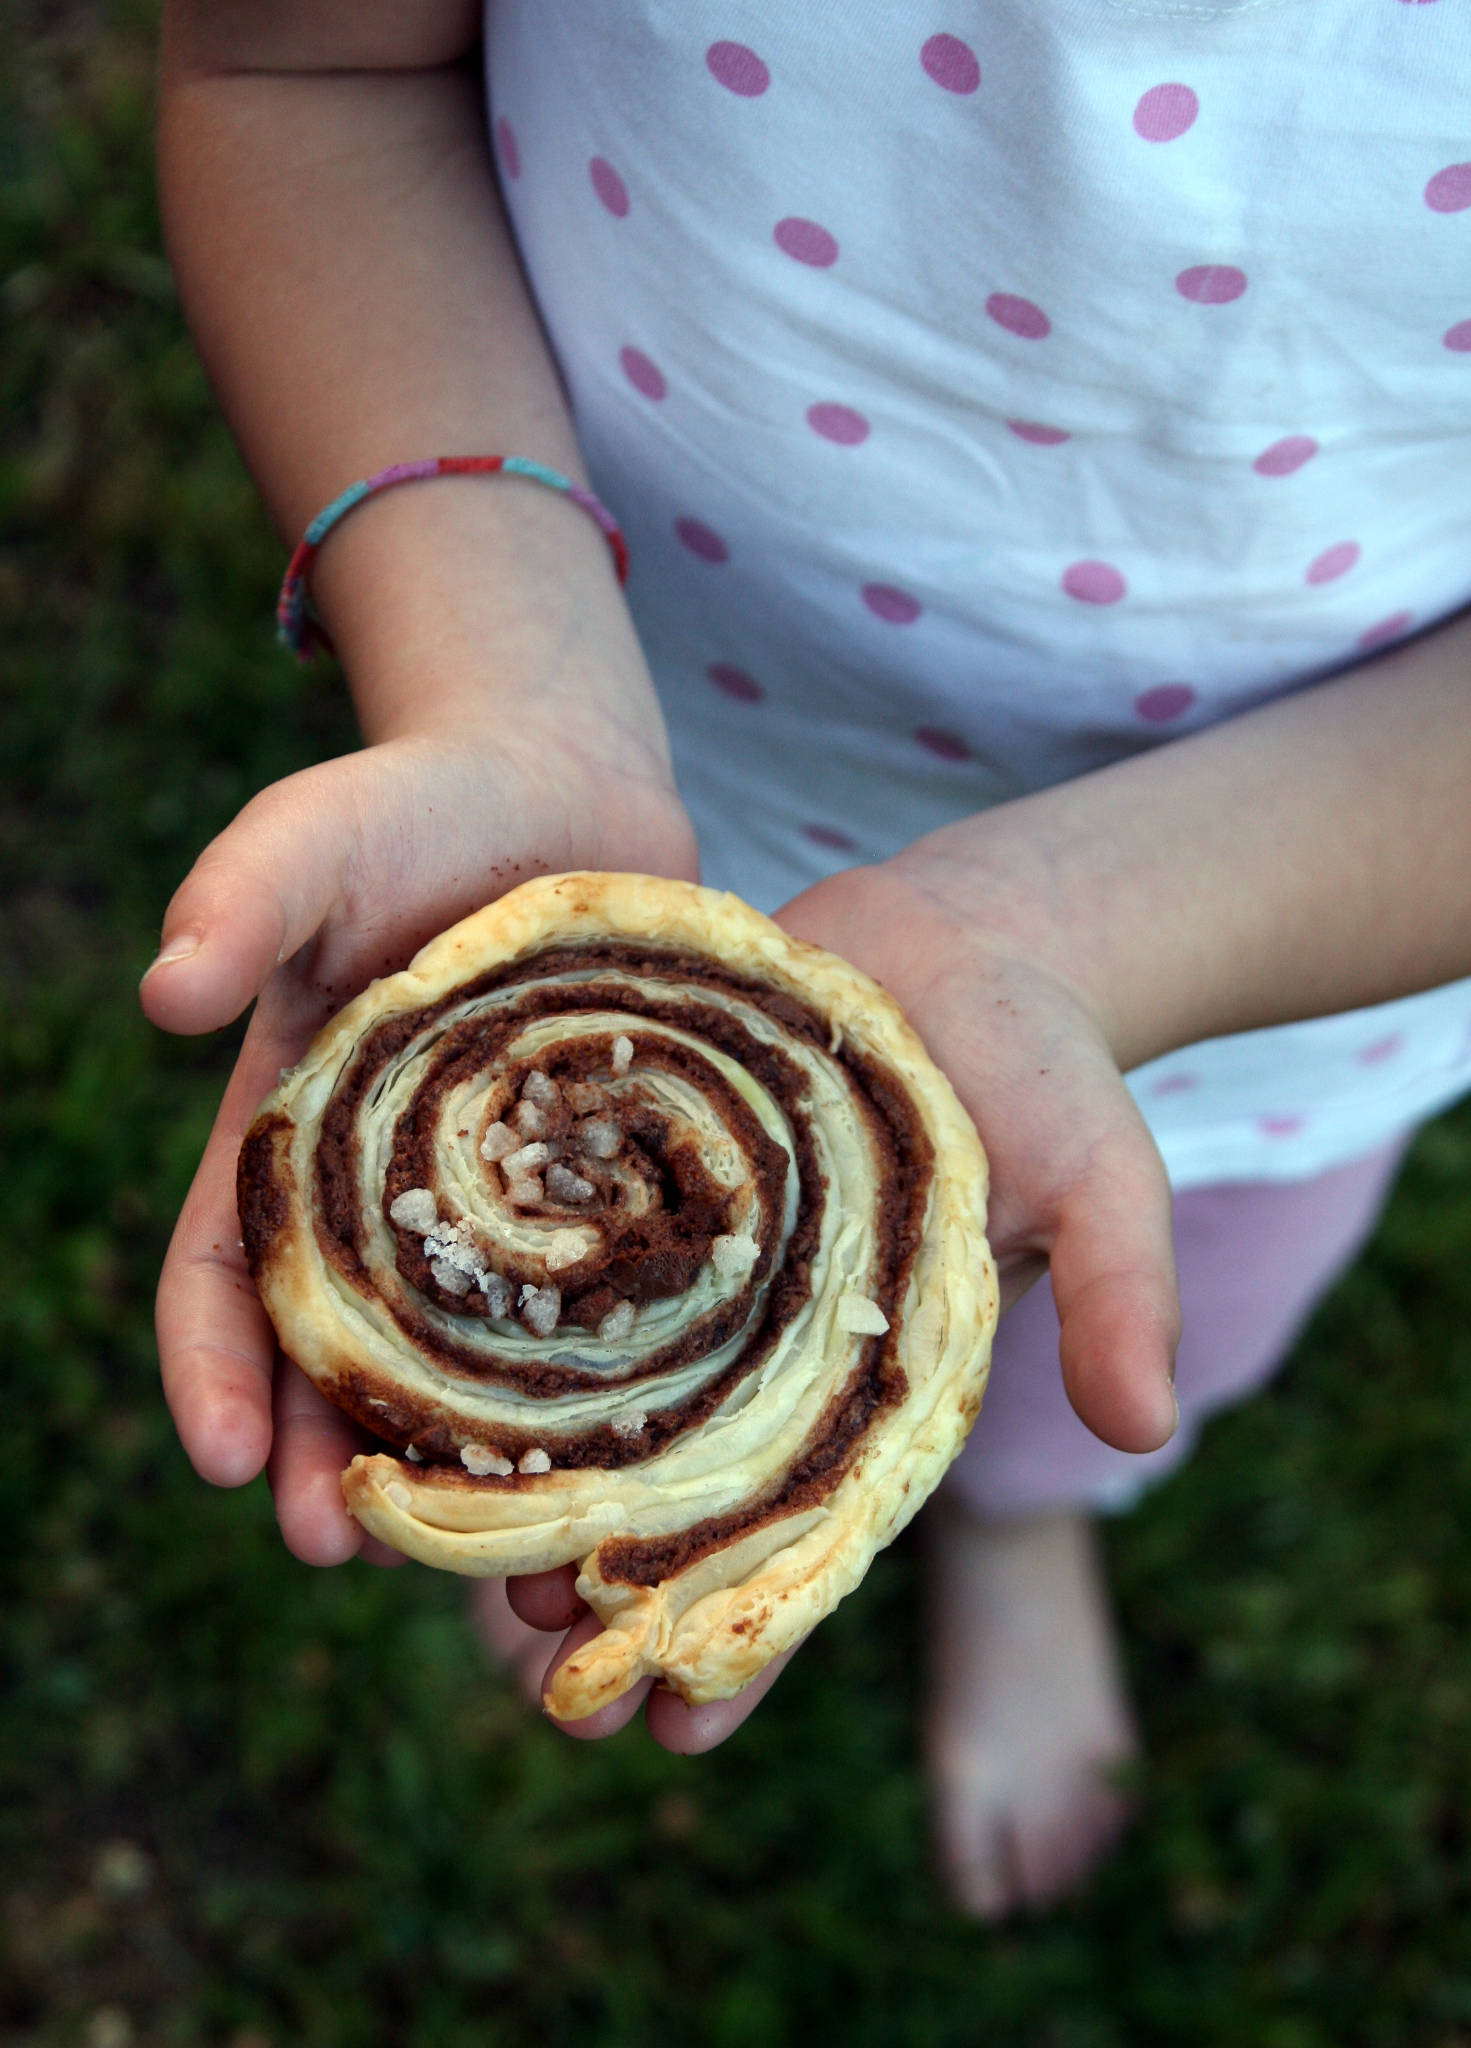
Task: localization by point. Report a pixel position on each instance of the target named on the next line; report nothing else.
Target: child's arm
(1311, 856)
(349, 279)
(339, 244)
(1308, 857)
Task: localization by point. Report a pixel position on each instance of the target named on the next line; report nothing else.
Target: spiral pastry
(655, 1242)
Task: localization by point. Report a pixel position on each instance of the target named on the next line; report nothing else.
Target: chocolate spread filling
(641, 1258)
(672, 1235)
(264, 1203)
(877, 1381)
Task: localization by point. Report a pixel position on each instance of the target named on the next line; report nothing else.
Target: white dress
(992, 390)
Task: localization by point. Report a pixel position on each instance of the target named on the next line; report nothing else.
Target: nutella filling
(641, 1193)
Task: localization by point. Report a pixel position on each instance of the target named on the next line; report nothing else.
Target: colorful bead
(296, 622)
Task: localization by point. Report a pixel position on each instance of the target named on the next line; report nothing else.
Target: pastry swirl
(655, 1241)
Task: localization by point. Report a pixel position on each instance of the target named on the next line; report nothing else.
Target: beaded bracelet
(299, 626)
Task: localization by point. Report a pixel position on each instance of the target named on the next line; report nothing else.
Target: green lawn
(243, 1803)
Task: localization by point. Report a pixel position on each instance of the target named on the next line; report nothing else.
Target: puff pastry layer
(654, 1241)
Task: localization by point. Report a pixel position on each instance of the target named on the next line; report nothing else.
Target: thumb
(1113, 1280)
(255, 895)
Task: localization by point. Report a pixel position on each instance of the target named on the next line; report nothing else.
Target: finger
(607, 1720)
(314, 1443)
(216, 1348)
(522, 1651)
(1113, 1279)
(383, 1555)
(547, 1600)
(253, 898)
(689, 1731)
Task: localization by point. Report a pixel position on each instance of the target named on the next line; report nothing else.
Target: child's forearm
(349, 278)
(1310, 856)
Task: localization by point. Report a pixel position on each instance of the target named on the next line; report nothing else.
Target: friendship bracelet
(296, 622)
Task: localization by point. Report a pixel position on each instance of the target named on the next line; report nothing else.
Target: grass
(245, 1804)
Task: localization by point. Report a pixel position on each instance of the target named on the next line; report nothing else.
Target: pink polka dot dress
(990, 393)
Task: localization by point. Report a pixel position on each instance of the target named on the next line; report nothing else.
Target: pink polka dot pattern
(1333, 562)
(1094, 582)
(1018, 316)
(1283, 1126)
(838, 423)
(949, 746)
(1392, 628)
(1037, 434)
(806, 241)
(1165, 112)
(1458, 337)
(1286, 455)
(951, 64)
(831, 836)
(1211, 284)
(1174, 1084)
(609, 187)
(894, 607)
(738, 69)
(734, 682)
(701, 540)
(1449, 191)
(509, 147)
(643, 375)
(1382, 1049)
(1164, 702)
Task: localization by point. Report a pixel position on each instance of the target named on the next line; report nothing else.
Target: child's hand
(323, 882)
(1076, 1179)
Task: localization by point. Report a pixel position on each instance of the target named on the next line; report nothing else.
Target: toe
(1050, 1861)
(999, 1854)
(971, 1837)
(979, 1879)
(1056, 1854)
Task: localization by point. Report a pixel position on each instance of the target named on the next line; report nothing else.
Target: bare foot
(1027, 1715)
(524, 1651)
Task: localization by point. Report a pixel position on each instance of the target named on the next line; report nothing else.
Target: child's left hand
(1044, 947)
(1077, 1182)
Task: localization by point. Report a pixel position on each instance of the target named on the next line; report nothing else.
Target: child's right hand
(323, 882)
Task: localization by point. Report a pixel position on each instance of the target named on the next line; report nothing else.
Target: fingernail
(181, 948)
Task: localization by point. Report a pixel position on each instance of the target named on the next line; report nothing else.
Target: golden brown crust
(759, 1236)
